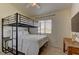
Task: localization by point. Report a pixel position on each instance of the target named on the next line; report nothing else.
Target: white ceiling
(44, 8)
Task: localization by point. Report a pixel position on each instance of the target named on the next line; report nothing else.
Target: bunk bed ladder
(17, 33)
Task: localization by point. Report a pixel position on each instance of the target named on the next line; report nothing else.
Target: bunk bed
(13, 42)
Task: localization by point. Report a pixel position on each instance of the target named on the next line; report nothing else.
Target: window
(44, 26)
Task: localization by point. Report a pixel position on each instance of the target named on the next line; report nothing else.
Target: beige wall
(6, 10)
(61, 27)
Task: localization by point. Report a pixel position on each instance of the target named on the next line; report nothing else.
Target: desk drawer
(73, 50)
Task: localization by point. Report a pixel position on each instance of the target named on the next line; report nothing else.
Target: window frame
(39, 32)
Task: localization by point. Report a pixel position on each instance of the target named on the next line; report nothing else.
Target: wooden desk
(72, 47)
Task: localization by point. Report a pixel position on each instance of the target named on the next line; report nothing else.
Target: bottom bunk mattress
(29, 44)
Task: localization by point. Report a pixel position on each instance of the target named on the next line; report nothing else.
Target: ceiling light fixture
(36, 5)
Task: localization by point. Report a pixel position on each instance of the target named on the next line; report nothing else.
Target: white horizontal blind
(44, 26)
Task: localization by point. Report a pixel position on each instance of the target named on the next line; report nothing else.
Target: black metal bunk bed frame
(18, 22)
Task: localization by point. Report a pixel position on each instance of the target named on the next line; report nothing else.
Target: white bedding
(30, 44)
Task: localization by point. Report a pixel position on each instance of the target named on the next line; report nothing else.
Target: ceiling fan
(33, 5)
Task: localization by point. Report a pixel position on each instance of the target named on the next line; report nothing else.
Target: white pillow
(75, 36)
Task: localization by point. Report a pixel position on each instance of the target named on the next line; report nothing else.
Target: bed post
(12, 38)
(16, 33)
(2, 35)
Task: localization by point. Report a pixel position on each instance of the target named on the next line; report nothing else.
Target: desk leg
(69, 51)
(63, 46)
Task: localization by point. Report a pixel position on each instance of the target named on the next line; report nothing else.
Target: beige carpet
(45, 51)
(51, 51)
